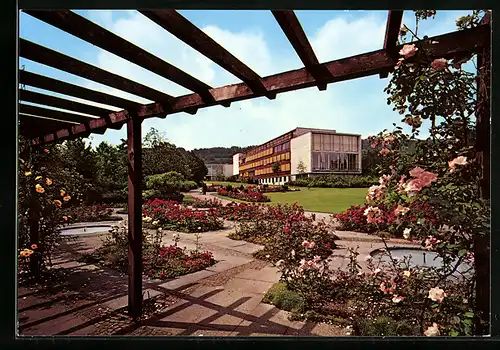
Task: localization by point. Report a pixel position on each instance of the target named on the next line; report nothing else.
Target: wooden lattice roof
(47, 125)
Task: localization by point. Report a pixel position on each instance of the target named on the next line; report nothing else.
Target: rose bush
(249, 195)
(88, 213)
(430, 190)
(173, 216)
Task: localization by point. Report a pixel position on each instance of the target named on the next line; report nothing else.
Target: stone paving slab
(267, 274)
(250, 286)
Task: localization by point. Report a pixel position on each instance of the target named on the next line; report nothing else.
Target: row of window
(264, 153)
(273, 180)
(269, 144)
(269, 170)
(270, 160)
(335, 161)
(337, 143)
(283, 147)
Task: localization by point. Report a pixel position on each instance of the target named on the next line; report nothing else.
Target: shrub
(173, 216)
(167, 186)
(284, 299)
(335, 181)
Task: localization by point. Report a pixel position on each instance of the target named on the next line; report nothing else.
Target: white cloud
(339, 38)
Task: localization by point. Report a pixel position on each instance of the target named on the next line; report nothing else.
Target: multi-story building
(218, 170)
(301, 152)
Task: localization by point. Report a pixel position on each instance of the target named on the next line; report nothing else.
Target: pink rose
(384, 151)
(457, 161)
(437, 294)
(401, 210)
(408, 51)
(426, 178)
(439, 64)
(416, 172)
(413, 186)
(432, 331)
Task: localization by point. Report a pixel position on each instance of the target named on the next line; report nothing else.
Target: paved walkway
(223, 300)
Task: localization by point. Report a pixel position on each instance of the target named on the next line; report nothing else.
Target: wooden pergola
(45, 125)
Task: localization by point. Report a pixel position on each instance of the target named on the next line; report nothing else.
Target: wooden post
(134, 216)
(482, 243)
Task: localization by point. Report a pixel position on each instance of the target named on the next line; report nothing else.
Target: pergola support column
(134, 216)
(483, 130)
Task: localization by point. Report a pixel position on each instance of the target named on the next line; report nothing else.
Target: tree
(276, 167)
(301, 168)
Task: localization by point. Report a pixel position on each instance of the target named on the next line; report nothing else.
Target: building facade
(218, 170)
(302, 152)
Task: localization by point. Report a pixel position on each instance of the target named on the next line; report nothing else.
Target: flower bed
(250, 196)
(88, 213)
(391, 219)
(172, 261)
(285, 226)
(172, 216)
(240, 211)
(204, 203)
(159, 262)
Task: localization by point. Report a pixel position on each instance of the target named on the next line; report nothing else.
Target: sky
(356, 106)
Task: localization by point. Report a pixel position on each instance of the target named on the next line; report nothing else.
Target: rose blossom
(401, 210)
(437, 294)
(397, 299)
(415, 172)
(426, 178)
(432, 331)
(372, 213)
(407, 273)
(384, 151)
(406, 233)
(376, 271)
(307, 244)
(413, 186)
(408, 51)
(439, 63)
(457, 161)
(384, 180)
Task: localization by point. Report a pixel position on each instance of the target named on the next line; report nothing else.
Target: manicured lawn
(325, 200)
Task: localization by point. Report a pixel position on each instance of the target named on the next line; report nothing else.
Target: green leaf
(454, 333)
(462, 252)
(469, 314)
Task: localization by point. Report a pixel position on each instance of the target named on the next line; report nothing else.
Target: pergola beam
(344, 69)
(31, 126)
(49, 57)
(290, 25)
(43, 99)
(92, 33)
(184, 30)
(51, 84)
(54, 114)
(393, 26)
